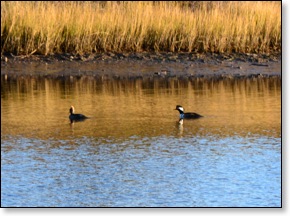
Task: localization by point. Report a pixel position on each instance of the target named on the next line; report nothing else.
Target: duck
(189, 115)
(76, 117)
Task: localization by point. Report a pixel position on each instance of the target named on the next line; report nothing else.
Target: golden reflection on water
(124, 107)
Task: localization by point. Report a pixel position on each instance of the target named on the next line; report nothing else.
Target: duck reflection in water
(76, 117)
(179, 125)
(180, 122)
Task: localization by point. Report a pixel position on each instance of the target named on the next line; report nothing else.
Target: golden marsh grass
(88, 27)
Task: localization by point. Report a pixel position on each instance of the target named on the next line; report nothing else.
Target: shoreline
(29, 28)
(139, 65)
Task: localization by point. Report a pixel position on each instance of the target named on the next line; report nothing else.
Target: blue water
(157, 171)
(135, 156)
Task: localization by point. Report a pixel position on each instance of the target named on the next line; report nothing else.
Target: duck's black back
(192, 115)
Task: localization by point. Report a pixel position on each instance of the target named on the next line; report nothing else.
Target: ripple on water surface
(157, 171)
(133, 152)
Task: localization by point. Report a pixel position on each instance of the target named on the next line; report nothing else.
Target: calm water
(132, 151)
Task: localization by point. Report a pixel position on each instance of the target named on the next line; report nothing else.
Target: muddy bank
(139, 65)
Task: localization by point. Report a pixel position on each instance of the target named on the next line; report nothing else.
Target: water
(132, 151)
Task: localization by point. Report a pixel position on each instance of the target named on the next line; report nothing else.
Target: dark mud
(142, 65)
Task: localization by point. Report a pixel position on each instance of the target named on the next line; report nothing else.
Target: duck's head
(71, 110)
(179, 108)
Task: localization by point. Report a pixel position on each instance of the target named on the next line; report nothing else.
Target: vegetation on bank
(91, 27)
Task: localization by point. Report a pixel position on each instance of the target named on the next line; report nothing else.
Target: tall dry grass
(86, 27)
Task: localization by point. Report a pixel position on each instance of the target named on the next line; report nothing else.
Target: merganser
(184, 115)
(76, 117)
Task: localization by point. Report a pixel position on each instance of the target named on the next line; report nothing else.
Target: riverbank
(47, 28)
(140, 39)
(141, 65)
